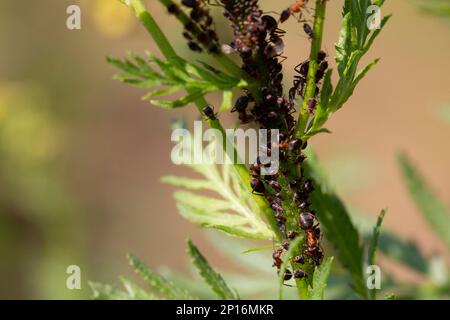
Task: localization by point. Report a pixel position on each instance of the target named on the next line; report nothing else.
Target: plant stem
(167, 50)
(316, 45)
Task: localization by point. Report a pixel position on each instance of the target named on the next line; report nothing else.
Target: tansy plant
(295, 208)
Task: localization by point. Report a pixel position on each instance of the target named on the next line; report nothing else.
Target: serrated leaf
(106, 292)
(204, 217)
(199, 201)
(251, 250)
(158, 283)
(161, 92)
(432, 208)
(193, 184)
(405, 252)
(320, 279)
(211, 277)
(244, 232)
(372, 253)
(135, 292)
(172, 104)
(175, 74)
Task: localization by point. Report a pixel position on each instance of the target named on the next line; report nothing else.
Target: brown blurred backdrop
(81, 155)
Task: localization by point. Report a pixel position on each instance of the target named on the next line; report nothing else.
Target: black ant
(208, 111)
(240, 106)
(294, 8)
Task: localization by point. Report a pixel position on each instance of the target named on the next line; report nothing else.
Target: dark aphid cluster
(199, 30)
(259, 41)
(245, 19)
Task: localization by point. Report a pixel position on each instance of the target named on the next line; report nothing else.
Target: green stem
(316, 45)
(167, 50)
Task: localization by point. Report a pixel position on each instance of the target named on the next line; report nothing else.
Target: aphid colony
(258, 41)
(199, 28)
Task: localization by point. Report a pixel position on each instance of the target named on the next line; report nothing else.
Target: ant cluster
(258, 40)
(199, 29)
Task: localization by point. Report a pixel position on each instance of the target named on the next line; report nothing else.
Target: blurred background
(81, 155)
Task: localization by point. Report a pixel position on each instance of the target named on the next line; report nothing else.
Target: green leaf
(405, 252)
(193, 184)
(443, 113)
(233, 210)
(251, 250)
(106, 292)
(227, 101)
(320, 279)
(293, 247)
(371, 258)
(339, 229)
(372, 254)
(212, 278)
(175, 75)
(172, 104)
(434, 211)
(135, 292)
(157, 282)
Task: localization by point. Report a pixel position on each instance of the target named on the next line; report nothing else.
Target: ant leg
(273, 12)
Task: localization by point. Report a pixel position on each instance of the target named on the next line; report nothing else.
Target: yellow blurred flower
(111, 17)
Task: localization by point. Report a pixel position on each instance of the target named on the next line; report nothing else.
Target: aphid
(303, 205)
(306, 220)
(308, 186)
(321, 56)
(297, 197)
(257, 185)
(280, 217)
(294, 8)
(173, 8)
(190, 3)
(321, 71)
(287, 275)
(308, 30)
(285, 244)
(299, 259)
(187, 35)
(312, 105)
(208, 111)
(299, 274)
(275, 185)
(294, 145)
(194, 46)
(241, 104)
(292, 234)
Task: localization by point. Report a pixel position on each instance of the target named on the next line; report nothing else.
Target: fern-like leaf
(211, 277)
